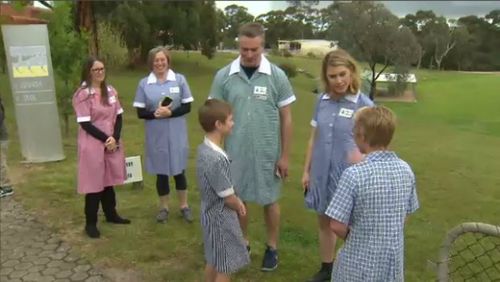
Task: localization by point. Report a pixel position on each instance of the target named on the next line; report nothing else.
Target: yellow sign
(33, 71)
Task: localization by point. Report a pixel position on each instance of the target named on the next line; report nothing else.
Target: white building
(303, 47)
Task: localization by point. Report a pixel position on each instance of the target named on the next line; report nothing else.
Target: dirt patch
(122, 275)
(407, 97)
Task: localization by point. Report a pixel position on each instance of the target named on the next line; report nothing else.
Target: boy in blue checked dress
(369, 207)
(225, 248)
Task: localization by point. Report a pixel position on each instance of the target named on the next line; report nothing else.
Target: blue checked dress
(167, 145)
(223, 242)
(373, 198)
(334, 140)
(255, 142)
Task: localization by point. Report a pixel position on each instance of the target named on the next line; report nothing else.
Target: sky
(449, 9)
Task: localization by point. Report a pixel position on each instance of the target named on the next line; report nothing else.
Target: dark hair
(211, 111)
(252, 30)
(86, 69)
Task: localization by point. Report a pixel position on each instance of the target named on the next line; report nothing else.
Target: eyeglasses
(97, 70)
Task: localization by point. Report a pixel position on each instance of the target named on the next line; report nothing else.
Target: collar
(350, 97)
(90, 89)
(380, 155)
(265, 66)
(152, 77)
(215, 147)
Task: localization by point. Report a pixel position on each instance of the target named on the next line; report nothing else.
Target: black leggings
(107, 198)
(163, 187)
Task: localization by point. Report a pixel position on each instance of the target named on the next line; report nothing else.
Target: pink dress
(97, 167)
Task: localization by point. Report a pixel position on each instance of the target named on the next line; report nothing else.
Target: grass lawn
(451, 137)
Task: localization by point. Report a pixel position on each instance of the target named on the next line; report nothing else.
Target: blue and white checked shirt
(373, 198)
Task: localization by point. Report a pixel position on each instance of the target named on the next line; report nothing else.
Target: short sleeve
(186, 96)
(284, 90)
(413, 204)
(342, 203)
(118, 105)
(219, 178)
(217, 89)
(140, 96)
(82, 105)
(314, 121)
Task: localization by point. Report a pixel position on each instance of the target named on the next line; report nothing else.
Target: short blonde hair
(152, 53)
(376, 125)
(340, 57)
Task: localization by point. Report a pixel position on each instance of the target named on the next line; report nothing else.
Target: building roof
(25, 15)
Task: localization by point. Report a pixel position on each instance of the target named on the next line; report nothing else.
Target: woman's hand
(163, 112)
(305, 181)
(111, 144)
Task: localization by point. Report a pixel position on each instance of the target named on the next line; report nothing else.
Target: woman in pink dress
(101, 160)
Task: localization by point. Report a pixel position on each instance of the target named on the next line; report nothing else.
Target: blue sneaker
(270, 261)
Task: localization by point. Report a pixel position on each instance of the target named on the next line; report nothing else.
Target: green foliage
(67, 49)
(208, 30)
(112, 47)
(289, 69)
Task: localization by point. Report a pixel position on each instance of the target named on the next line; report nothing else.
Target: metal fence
(470, 252)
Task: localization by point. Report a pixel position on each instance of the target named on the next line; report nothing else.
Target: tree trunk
(86, 22)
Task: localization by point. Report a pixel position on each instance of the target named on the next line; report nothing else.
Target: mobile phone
(166, 101)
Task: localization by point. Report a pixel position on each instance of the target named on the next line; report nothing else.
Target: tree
(235, 17)
(374, 36)
(417, 24)
(67, 48)
(208, 30)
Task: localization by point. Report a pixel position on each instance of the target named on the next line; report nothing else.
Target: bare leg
(182, 195)
(272, 218)
(327, 239)
(222, 277)
(210, 273)
(164, 202)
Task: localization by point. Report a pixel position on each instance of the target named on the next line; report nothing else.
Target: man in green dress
(259, 145)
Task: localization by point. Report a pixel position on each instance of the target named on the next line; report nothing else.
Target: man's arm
(286, 136)
(339, 228)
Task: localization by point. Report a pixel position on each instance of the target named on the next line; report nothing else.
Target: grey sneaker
(162, 216)
(186, 214)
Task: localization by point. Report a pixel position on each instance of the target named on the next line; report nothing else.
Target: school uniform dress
(223, 241)
(334, 121)
(167, 144)
(373, 198)
(255, 143)
(97, 167)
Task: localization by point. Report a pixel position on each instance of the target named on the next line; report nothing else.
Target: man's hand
(282, 167)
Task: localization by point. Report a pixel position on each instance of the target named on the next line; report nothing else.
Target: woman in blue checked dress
(331, 148)
(166, 130)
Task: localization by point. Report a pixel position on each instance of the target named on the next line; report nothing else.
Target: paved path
(29, 251)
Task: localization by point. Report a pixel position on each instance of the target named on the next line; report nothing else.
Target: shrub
(112, 48)
(289, 69)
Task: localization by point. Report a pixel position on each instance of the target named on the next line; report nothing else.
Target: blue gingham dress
(167, 145)
(373, 198)
(223, 241)
(333, 120)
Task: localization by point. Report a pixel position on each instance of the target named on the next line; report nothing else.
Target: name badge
(260, 90)
(112, 99)
(347, 113)
(175, 90)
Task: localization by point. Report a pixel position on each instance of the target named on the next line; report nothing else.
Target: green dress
(254, 145)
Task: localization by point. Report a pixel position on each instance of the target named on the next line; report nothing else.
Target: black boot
(91, 207)
(324, 274)
(108, 201)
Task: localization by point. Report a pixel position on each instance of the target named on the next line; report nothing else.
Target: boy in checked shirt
(369, 208)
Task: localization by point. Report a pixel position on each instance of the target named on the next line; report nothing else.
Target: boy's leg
(210, 273)
(222, 277)
(327, 241)
(272, 218)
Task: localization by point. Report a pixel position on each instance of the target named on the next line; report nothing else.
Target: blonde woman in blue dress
(331, 148)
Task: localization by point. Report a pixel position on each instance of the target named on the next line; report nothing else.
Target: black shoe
(118, 220)
(92, 231)
(321, 276)
(270, 261)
